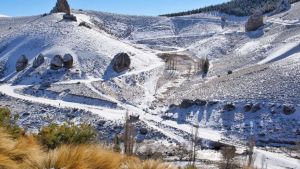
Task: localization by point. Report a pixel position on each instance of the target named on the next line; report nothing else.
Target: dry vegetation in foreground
(26, 153)
(60, 147)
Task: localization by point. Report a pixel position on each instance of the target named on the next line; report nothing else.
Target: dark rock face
(121, 62)
(45, 85)
(255, 107)
(288, 109)
(229, 107)
(70, 17)
(68, 61)
(186, 103)
(21, 63)
(62, 6)
(216, 145)
(56, 62)
(85, 24)
(143, 131)
(248, 107)
(38, 61)
(134, 118)
(254, 22)
(199, 102)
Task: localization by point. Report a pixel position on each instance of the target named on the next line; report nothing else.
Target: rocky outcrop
(85, 24)
(254, 22)
(256, 107)
(121, 62)
(62, 6)
(229, 107)
(21, 63)
(57, 62)
(38, 61)
(186, 103)
(248, 107)
(70, 17)
(68, 61)
(288, 109)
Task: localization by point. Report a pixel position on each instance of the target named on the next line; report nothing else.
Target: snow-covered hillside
(251, 89)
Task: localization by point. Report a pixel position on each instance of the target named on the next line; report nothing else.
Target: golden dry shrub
(82, 157)
(23, 152)
(96, 157)
(151, 164)
(26, 153)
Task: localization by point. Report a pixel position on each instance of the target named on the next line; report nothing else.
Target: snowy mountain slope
(93, 50)
(265, 65)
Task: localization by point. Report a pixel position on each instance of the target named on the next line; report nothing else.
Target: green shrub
(54, 135)
(10, 123)
(206, 65)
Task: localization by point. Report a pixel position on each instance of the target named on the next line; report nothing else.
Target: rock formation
(85, 24)
(254, 22)
(38, 61)
(121, 62)
(57, 62)
(21, 63)
(70, 17)
(68, 61)
(288, 109)
(62, 6)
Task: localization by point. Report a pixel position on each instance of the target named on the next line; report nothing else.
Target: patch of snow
(287, 50)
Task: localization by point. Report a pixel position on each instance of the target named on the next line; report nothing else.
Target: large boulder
(68, 61)
(62, 6)
(121, 62)
(21, 64)
(254, 22)
(85, 24)
(229, 107)
(38, 61)
(288, 109)
(186, 103)
(70, 17)
(57, 62)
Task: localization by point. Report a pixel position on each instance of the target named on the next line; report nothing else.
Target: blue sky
(135, 7)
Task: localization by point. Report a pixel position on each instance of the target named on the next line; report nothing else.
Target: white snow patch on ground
(285, 51)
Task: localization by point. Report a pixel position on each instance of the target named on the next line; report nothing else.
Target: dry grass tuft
(26, 153)
(23, 153)
(82, 157)
(151, 164)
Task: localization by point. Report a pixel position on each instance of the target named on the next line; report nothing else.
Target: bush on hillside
(8, 122)
(205, 66)
(54, 135)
